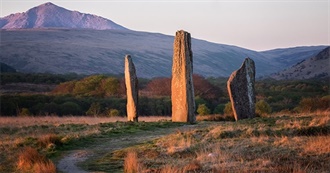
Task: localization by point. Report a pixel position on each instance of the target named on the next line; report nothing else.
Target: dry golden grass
(190, 167)
(49, 139)
(131, 163)
(176, 142)
(317, 145)
(56, 120)
(297, 144)
(320, 120)
(48, 134)
(29, 160)
(216, 117)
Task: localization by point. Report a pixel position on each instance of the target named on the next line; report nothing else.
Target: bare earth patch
(68, 163)
(72, 160)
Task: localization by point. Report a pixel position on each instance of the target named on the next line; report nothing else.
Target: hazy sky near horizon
(252, 24)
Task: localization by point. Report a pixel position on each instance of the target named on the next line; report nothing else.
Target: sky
(252, 24)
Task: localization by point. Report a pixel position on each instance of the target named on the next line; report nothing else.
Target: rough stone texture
(183, 102)
(131, 89)
(240, 87)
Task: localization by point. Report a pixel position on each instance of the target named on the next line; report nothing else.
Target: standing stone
(183, 102)
(131, 89)
(241, 90)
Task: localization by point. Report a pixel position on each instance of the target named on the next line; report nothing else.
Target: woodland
(104, 95)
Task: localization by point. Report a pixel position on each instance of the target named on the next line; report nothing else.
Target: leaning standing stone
(183, 102)
(131, 89)
(241, 90)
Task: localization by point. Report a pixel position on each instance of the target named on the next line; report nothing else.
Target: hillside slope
(288, 57)
(315, 67)
(49, 15)
(94, 51)
(52, 39)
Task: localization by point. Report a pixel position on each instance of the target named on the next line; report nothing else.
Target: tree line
(104, 95)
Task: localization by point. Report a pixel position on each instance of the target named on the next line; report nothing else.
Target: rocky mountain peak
(49, 15)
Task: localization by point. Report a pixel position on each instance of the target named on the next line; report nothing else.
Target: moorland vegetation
(290, 134)
(104, 95)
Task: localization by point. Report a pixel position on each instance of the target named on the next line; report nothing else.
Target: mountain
(49, 15)
(103, 51)
(314, 67)
(53, 41)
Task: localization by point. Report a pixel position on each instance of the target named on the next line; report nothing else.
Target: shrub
(24, 112)
(68, 108)
(307, 105)
(203, 110)
(219, 109)
(114, 113)
(263, 108)
(228, 109)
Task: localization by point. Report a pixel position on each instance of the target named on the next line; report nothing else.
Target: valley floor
(277, 143)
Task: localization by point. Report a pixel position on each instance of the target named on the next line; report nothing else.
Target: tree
(64, 88)
(94, 109)
(203, 110)
(204, 89)
(110, 86)
(89, 86)
(159, 87)
(70, 108)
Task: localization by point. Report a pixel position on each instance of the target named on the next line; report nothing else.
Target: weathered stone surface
(131, 89)
(240, 87)
(183, 102)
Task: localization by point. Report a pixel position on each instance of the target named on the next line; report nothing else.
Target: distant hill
(94, 51)
(51, 39)
(288, 57)
(49, 15)
(314, 67)
(4, 68)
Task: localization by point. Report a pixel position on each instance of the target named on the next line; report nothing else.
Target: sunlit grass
(50, 135)
(277, 143)
(56, 120)
(297, 143)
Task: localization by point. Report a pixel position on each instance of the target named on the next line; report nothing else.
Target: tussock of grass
(29, 160)
(50, 139)
(131, 163)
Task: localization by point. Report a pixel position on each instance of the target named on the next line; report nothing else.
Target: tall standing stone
(240, 87)
(183, 102)
(131, 89)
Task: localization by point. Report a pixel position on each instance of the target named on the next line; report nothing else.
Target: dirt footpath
(69, 163)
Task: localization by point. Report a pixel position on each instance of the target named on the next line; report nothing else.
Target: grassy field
(277, 143)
